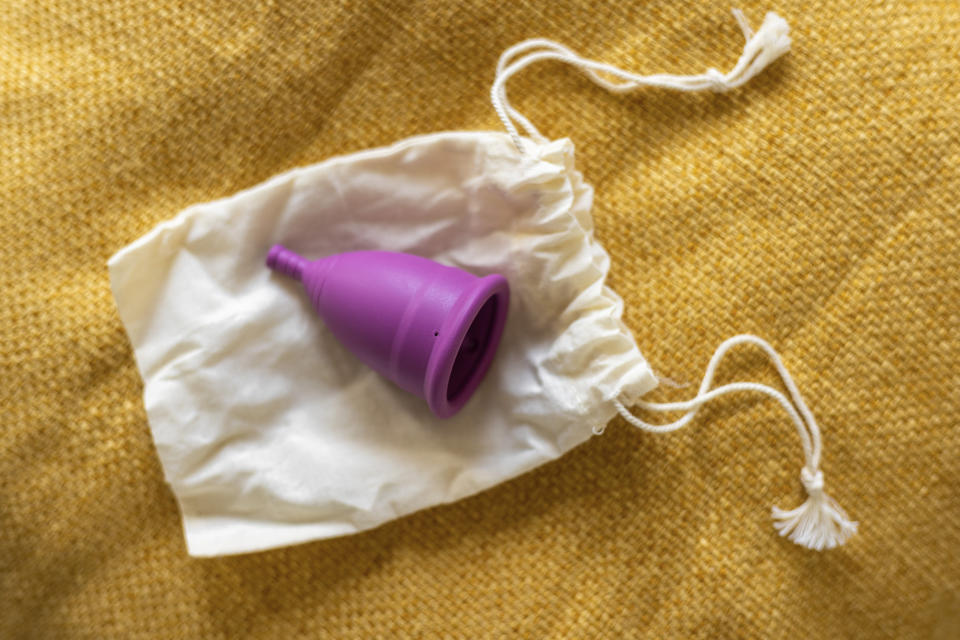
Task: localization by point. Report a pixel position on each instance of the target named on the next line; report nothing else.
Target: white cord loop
(769, 42)
(819, 523)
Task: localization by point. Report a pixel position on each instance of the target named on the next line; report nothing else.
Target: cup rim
(451, 335)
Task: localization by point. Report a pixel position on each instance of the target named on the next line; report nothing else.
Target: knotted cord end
(762, 47)
(820, 523)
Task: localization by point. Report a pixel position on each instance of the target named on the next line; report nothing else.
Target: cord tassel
(770, 41)
(819, 523)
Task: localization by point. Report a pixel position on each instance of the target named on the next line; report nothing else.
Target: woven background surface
(817, 207)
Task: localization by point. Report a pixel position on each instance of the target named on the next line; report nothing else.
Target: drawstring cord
(762, 47)
(820, 523)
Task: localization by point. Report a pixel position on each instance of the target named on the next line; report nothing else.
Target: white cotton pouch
(271, 433)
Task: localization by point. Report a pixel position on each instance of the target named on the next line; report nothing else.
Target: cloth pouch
(271, 433)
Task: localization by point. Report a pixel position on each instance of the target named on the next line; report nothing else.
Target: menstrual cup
(431, 329)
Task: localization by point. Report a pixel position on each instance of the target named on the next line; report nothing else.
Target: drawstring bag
(270, 433)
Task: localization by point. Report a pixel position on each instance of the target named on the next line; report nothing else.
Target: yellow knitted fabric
(817, 206)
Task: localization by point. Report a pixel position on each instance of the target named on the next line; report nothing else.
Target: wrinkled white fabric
(270, 433)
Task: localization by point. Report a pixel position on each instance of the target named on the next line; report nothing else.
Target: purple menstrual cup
(431, 329)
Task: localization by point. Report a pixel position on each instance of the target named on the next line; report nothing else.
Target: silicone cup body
(431, 329)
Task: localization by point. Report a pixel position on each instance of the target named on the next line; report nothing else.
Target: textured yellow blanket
(817, 206)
